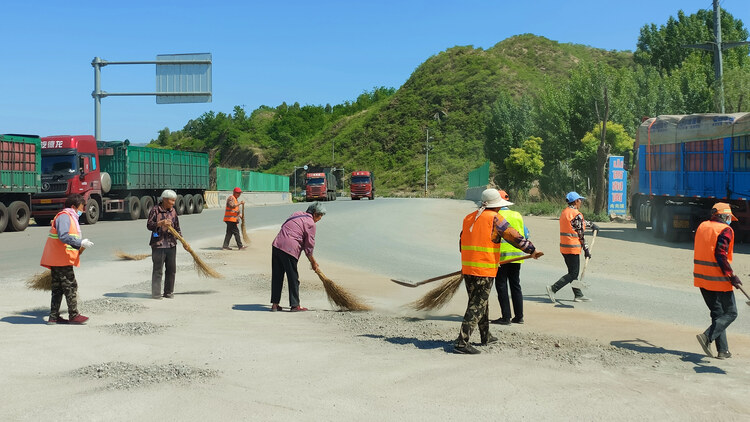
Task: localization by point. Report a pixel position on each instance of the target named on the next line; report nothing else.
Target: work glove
(586, 253)
(736, 281)
(85, 243)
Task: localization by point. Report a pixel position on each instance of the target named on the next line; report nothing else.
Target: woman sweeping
(163, 244)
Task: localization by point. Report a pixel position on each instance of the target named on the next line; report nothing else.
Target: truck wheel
(199, 203)
(134, 207)
(667, 224)
(656, 222)
(147, 203)
(372, 197)
(640, 225)
(189, 205)
(91, 214)
(179, 205)
(3, 217)
(18, 216)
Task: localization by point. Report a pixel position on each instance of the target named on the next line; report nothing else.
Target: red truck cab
(316, 187)
(362, 185)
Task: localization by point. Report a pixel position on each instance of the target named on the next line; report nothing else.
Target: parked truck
(20, 158)
(684, 164)
(116, 178)
(362, 185)
(320, 186)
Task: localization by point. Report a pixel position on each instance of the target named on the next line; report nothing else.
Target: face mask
(79, 213)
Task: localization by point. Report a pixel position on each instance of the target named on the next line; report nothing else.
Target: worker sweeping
(712, 273)
(572, 242)
(163, 244)
(483, 230)
(231, 213)
(61, 254)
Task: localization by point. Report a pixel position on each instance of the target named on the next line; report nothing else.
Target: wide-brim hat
(723, 208)
(491, 198)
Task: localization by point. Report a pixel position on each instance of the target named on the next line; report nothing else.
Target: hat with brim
(491, 199)
(573, 196)
(722, 208)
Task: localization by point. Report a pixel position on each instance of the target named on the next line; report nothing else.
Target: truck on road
(19, 179)
(320, 186)
(116, 178)
(362, 185)
(684, 164)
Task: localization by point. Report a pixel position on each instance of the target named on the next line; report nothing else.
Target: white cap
(491, 199)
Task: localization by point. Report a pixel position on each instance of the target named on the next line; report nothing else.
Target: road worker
(231, 214)
(482, 231)
(510, 273)
(712, 273)
(61, 253)
(163, 244)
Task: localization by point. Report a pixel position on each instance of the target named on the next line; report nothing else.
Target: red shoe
(79, 319)
(242, 248)
(58, 320)
(275, 307)
(297, 309)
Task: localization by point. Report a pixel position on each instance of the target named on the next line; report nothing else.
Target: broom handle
(586, 261)
(243, 213)
(743, 291)
(440, 277)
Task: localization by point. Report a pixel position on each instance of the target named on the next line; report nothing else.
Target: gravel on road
(123, 375)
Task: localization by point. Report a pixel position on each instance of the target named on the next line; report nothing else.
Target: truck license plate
(681, 224)
(46, 201)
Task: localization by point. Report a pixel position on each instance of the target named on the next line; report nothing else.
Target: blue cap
(573, 196)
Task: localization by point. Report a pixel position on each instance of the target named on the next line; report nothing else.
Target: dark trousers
(283, 263)
(723, 312)
(64, 284)
(232, 230)
(509, 274)
(477, 312)
(573, 262)
(163, 257)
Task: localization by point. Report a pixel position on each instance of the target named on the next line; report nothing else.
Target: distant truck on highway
(20, 157)
(116, 178)
(320, 186)
(362, 185)
(685, 164)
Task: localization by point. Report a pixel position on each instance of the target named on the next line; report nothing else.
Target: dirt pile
(123, 375)
(134, 328)
(106, 304)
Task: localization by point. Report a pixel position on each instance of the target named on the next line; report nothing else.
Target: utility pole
(717, 47)
(426, 160)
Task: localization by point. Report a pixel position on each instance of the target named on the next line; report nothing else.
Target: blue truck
(686, 163)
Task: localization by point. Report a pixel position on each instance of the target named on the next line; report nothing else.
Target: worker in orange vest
(62, 252)
(712, 273)
(231, 214)
(483, 231)
(572, 242)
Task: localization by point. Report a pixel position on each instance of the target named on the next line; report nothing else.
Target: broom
(128, 257)
(245, 236)
(340, 297)
(40, 281)
(201, 267)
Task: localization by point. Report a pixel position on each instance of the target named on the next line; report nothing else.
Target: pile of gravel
(110, 304)
(134, 328)
(123, 375)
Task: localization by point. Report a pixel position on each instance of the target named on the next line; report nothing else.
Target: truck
(320, 186)
(362, 185)
(116, 178)
(684, 164)
(20, 157)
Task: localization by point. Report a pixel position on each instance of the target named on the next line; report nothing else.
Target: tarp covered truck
(19, 179)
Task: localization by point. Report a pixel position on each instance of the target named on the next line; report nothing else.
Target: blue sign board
(618, 186)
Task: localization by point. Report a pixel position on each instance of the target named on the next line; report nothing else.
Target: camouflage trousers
(477, 312)
(64, 284)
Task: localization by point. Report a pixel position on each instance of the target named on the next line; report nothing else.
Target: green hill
(384, 130)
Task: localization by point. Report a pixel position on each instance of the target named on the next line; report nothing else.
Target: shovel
(579, 284)
(409, 283)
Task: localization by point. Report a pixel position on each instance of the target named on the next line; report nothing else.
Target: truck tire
(667, 225)
(179, 205)
(199, 203)
(18, 216)
(91, 213)
(656, 227)
(640, 225)
(134, 207)
(147, 203)
(3, 217)
(372, 197)
(189, 204)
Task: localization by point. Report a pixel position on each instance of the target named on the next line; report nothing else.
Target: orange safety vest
(232, 210)
(569, 242)
(706, 271)
(479, 255)
(59, 254)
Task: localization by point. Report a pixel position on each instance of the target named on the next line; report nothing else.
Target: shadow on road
(251, 307)
(447, 346)
(197, 292)
(452, 317)
(561, 303)
(129, 295)
(643, 346)
(31, 316)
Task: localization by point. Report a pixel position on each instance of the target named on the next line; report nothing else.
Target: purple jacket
(297, 234)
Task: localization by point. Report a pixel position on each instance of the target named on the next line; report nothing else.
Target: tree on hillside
(508, 124)
(523, 165)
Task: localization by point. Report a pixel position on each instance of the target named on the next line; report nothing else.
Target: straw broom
(245, 236)
(128, 257)
(201, 267)
(340, 297)
(40, 281)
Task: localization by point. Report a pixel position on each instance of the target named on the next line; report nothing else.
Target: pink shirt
(297, 234)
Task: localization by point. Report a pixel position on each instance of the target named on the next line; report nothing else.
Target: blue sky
(312, 52)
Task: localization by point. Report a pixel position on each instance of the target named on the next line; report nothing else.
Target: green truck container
(20, 159)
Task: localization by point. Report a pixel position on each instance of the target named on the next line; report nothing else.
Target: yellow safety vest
(507, 250)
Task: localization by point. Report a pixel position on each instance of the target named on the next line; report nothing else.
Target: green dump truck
(19, 179)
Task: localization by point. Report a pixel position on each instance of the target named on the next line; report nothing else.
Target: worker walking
(61, 253)
(712, 273)
(163, 244)
(572, 226)
(231, 214)
(510, 274)
(482, 231)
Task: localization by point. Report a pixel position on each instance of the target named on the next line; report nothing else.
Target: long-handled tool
(409, 283)
(245, 236)
(579, 284)
(743, 291)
